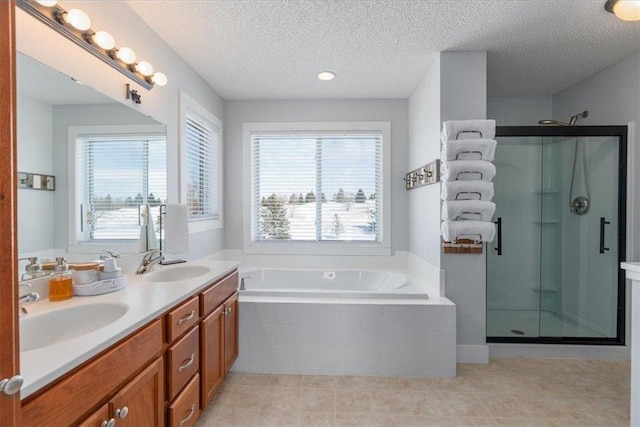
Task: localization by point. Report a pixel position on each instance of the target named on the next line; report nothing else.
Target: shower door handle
(603, 222)
(498, 247)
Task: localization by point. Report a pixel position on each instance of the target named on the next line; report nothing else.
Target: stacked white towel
(468, 129)
(468, 148)
(475, 230)
(478, 210)
(467, 190)
(467, 170)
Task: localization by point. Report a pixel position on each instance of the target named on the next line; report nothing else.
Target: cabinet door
(100, 418)
(230, 331)
(212, 368)
(141, 402)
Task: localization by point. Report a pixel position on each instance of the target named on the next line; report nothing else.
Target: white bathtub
(328, 283)
(343, 322)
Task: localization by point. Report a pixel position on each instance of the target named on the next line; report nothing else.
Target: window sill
(199, 226)
(316, 248)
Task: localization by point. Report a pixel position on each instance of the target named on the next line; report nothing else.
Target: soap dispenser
(60, 287)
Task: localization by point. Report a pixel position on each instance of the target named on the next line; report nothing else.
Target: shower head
(572, 120)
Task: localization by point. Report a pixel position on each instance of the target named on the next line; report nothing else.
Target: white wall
(238, 112)
(38, 41)
(519, 110)
(35, 155)
(464, 96)
(424, 147)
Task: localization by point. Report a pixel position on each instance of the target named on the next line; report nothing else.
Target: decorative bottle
(60, 287)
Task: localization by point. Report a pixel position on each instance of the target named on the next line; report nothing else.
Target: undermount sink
(56, 326)
(174, 274)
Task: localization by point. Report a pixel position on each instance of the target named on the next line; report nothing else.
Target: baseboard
(553, 351)
(472, 354)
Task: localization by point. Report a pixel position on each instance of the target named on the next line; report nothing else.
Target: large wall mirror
(107, 160)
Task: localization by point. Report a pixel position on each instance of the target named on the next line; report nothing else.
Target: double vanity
(152, 354)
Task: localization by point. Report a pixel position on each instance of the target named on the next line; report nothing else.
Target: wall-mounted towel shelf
(34, 181)
(424, 175)
(462, 246)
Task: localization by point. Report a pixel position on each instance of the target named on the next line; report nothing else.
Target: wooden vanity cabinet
(218, 335)
(230, 331)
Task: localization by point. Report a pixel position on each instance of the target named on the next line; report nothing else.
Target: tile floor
(507, 392)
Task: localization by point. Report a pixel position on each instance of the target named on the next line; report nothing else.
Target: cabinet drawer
(181, 319)
(185, 411)
(218, 293)
(183, 361)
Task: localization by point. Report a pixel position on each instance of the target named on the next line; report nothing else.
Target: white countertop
(146, 301)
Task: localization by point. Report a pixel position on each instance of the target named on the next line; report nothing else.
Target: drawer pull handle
(122, 413)
(191, 412)
(187, 318)
(187, 364)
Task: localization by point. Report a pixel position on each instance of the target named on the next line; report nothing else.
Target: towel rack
(468, 131)
(463, 246)
(469, 192)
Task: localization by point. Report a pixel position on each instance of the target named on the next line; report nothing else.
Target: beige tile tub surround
(507, 392)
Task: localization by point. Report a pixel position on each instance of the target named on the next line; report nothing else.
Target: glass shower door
(513, 274)
(579, 237)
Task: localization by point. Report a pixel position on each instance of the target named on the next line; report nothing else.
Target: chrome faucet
(31, 296)
(242, 282)
(109, 254)
(149, 261)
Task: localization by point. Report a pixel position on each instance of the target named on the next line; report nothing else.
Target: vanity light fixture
(326, 75)
(75, 25)
(625, 10)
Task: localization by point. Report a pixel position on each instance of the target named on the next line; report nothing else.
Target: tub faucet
(32, 296)
(242, 282)
(149, 261)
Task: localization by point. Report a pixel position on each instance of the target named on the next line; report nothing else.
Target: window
(117, 169)
(201, 147)
(319, 186)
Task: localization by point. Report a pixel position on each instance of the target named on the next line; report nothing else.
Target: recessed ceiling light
(326, 75)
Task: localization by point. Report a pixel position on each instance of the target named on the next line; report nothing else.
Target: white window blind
(317, 187)
(202, 139)
(115, 174)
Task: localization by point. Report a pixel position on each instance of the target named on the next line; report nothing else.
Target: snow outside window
(114, 175)
(323, 187)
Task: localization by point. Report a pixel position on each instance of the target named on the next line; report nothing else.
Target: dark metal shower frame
(621, 133)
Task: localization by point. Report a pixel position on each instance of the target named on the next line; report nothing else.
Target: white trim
(72, 134)
(316, 248)
(472, 354)
(187, 103)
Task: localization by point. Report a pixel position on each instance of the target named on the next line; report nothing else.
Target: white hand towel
(467, 170)
(468, 209)
(467, 129)
(469, 149)
(176, 234)
(148, 239)
(152, 238)
(467, 190)
(475, 230)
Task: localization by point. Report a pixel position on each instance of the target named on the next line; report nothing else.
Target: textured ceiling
(268, 49)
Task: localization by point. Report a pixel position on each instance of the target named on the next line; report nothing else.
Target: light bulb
(326, 75)
(126, 55)
(48, 3)
(103, 40)
(77, 19)
(159, 78)
(144, 68)
(627, 10)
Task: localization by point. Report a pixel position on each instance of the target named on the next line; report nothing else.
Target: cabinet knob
(11, 386)
(122, 413)
(110, 423)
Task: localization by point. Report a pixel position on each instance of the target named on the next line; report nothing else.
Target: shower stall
(553, 271)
